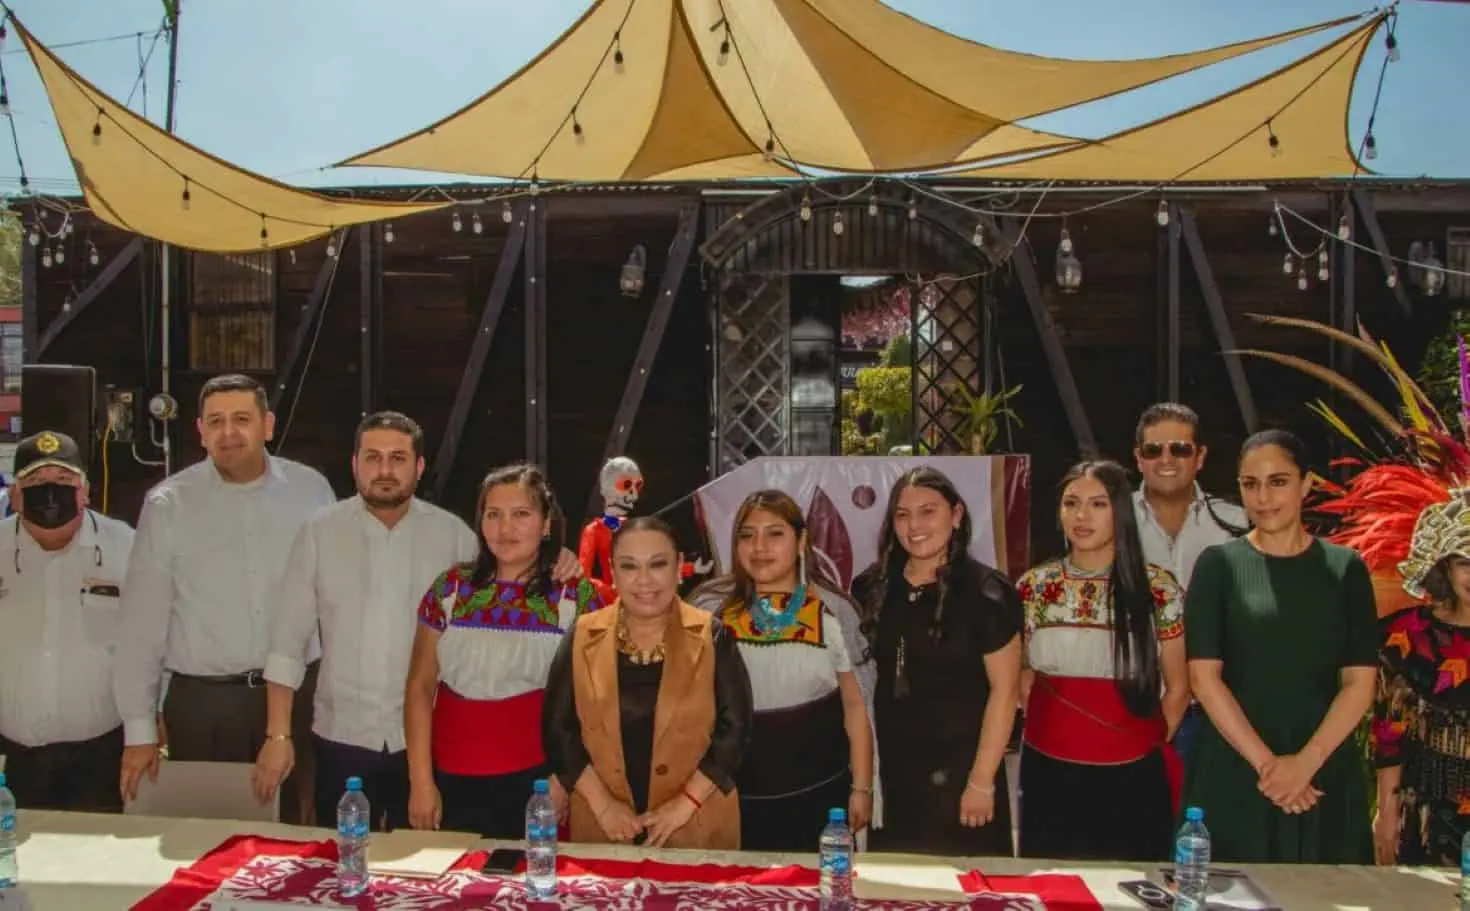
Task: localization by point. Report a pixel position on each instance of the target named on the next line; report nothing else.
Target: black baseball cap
(47, 448)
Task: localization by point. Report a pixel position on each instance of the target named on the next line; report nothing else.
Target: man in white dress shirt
(211, 546)
(357, 571)
(59, 729)
(1177, 520)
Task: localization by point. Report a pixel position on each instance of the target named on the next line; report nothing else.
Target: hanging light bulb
(4, 104)
(1392, 278)
(1068, 271)
(97, 133)
(1301, 280)
(770, 151)
(913, 208)
(46, 257)
(292, 254)
(1370, 147)
(978, 238)
(873, 205)
(388, 233)
(456, 223)
(1274, 142)
(1287, 266)
(1323, 273)
(60, 254)
(507, 215)
(1426, 270)
(1271, 229)
(1344, 229)
(1065, 243)
(837, 227)
(92, 257)
(724, 47)
(34, 237)
(1162, 216)
(1392, 41)
(806, 208)
(331, 247)
(1322, 257)
(476, 225)
(67, 227)
(1323, 265)
(184, 197)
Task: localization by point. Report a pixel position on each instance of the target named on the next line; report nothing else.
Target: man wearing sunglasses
(1176, 519)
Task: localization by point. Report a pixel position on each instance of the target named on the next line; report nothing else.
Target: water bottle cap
(1194, 814)
(354, 783)
(837, 814)
(542, 786)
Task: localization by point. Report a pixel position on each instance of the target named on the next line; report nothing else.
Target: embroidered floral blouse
(497, 641)
(1424, 686)
(1067, 619)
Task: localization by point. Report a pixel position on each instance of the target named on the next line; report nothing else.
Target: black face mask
(48, 505)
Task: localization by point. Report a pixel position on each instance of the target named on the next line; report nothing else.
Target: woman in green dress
(1282, 638)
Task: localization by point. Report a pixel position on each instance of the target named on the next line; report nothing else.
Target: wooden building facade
(507, 333)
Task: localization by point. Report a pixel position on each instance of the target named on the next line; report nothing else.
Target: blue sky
(285, 87)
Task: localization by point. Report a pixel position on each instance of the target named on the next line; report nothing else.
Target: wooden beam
(310, 312)
(1173, 342)
(624, 205)
(102, 282)
(1219, 322)
(535, 306)
(1363, 201)
(30, 296)
(367, 288)
(474, 366)
(1051, 340)
(653, 334)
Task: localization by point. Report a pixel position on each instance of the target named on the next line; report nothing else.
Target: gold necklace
(635, 654)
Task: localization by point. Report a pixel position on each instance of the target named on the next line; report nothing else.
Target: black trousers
(384, 780)
(211, 720)
(492, 806)
(81, 775)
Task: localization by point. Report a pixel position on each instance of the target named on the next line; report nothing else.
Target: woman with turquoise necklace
(811, 745)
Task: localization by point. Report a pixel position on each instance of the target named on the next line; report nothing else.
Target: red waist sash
(1080, 719)
(487, 736)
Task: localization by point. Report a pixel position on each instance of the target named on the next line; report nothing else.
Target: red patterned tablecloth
(246, 868)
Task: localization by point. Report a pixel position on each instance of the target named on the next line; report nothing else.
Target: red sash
(487, 736)
(1084, 720)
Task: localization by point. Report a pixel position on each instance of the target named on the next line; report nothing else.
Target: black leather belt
(249, 678)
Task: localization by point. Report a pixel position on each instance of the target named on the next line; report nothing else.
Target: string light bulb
(770, 151)
(913, 208)
(34, 237)
(264, 234)
(67, 227)
(1344, 230)
(1287, 266)
(576, 125)
(1370, 146)
(806, 208)
(837, 226)
(1271, 229)
(725, 46)
(456, 223)
(978, 237)
(1065, 243)
(97, 133)
(1273, 141)
(618, 50)
(46, 257)
(331, 246)
(1392, 279)
(1162, 216)
(1323, 265)
(184, 198)
(506, 215)
(1391, 41)
(60, 256)
(388, 233)
(873, 205)
(4, 104)
(92, 257)
(1301, 280)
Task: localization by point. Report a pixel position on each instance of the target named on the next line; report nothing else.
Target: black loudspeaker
(62, 398)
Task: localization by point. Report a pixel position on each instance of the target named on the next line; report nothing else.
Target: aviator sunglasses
(1179, 449)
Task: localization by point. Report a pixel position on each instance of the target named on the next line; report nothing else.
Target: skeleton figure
(621, 482)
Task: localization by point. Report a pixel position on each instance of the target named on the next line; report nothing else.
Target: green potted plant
(980, 415)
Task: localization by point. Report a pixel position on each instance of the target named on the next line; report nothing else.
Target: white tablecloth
(83, 862)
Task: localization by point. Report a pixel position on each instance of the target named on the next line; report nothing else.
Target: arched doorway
(776, 328)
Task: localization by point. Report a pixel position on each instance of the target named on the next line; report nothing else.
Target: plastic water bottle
(353, 822)
(541, 842)
(1192, 862)
(9, 870)
(835, 852)
(1464, 872)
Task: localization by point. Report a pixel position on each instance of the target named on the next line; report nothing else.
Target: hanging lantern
(1069, 270)
(630, 282)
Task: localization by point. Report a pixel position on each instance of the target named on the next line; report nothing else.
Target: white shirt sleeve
(468, 544)
(832, 636)
(146, 607)
(295, 615)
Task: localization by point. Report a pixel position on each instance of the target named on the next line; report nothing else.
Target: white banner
(845, 500)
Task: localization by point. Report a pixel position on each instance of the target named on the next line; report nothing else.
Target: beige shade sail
(702, 89)
(135, 176)
(1228, 138)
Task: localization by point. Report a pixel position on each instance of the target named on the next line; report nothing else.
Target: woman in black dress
(946, 639)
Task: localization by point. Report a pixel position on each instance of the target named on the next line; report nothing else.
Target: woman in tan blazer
(648, 709)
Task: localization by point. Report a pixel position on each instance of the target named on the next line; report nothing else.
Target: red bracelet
(694, 800)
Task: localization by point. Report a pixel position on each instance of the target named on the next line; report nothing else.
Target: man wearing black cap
(61, 572)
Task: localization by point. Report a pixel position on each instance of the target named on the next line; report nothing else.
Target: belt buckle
(254, 678)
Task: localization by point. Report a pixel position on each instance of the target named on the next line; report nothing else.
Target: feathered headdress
(1413, 462)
